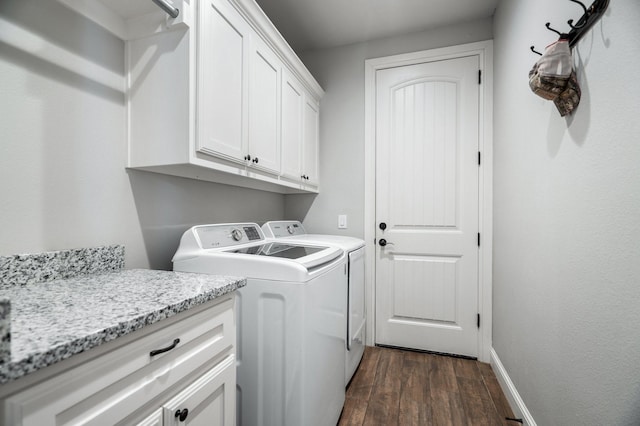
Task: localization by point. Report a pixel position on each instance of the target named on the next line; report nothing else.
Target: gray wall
(63, 182)
(567, 229)
(340, 71)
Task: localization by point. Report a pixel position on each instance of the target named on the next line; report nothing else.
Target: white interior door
(427, 133)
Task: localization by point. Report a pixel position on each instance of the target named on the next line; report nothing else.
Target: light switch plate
(342, 221)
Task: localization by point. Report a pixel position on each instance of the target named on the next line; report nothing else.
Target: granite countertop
(51, 321)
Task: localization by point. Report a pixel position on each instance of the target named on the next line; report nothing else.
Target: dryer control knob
(236, 234)
(291, 229)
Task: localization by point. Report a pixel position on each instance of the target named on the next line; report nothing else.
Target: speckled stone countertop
(53, 320)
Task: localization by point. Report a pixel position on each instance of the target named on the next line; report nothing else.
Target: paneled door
(427, 133)
(264, 107)
(223, 80)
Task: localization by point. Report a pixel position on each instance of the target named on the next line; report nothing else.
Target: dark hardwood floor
(395, 387)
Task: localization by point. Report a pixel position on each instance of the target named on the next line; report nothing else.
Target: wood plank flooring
(395, 387)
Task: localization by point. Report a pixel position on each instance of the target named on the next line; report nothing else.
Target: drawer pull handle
(182, 414)
(167, 349)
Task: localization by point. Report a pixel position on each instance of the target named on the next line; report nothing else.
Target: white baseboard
(517, 404)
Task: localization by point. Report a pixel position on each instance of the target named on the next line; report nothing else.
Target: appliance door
(356, 318)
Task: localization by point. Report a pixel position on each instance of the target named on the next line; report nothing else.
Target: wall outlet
(342, 221)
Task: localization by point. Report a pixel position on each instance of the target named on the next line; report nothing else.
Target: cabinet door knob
(382, 242)
(383, 226)
(182, 414)
(255, 160)
(167, 349)
(247, 157)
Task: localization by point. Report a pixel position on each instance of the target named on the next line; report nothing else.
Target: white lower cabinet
(208, 401)
(191, 382)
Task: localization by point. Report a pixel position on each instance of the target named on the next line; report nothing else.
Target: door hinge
(478, 320)
(479, 76)
(479, 158)
(478, 239)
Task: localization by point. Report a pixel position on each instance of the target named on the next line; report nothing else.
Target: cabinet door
(210, 400)
(292, 101)
(310, 141)
(264, 110)
(223, 79)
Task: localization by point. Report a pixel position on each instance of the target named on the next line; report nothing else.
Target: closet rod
(170, 10)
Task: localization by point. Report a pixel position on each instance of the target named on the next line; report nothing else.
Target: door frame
(484, 49)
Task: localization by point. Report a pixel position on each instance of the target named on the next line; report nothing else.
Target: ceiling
(317, 24)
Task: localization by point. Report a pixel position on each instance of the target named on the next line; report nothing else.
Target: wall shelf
(131, 19)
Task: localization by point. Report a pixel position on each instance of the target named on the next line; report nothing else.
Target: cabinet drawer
(111, 387)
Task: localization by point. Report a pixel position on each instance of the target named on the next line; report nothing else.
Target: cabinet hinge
(478, 320)
(478, 239)
(479, 158)
(479, 76)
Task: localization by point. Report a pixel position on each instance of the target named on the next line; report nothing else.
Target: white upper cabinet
(223, 80)
(214, 94)
(300, 125)
(264, 108)
(310, 141)
(292, 102)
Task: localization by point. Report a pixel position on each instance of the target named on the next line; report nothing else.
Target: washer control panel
(284, 228)
(228, 235)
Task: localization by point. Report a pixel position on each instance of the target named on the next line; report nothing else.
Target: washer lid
(305, 255)
(287, 251)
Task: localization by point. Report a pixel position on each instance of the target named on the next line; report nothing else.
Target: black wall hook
(590, 16)
(574, 27)
(548, 25)
(584, 8)
(533, 49)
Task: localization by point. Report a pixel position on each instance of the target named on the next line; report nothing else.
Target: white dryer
(291, 320)
(293, 231)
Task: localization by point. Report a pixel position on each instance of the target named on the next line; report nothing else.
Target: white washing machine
(291, 319)
(292, 230)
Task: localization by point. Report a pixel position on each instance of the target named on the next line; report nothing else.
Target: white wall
(567, 219)
(340, 71)
(63, 182)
